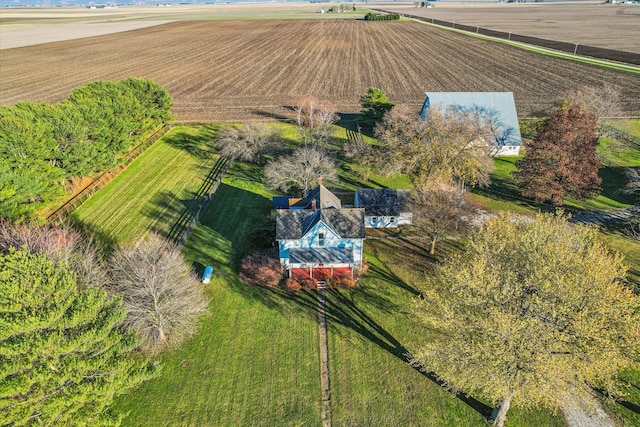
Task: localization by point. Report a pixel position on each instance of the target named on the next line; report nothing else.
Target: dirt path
(324, 360)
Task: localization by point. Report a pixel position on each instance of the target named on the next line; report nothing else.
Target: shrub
(347, 282)
(260, 269)
(358, 273)
(371, 16)
(293, 285)
(332, 282)
(309, 284)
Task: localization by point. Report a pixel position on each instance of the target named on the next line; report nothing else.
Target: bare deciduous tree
(315, 119)
(245, 142)
(446, 147)
(60, 244)
(300, 170)
(437, 210)
(162, 294)
(633, 184)
(603, 102)
(362, 153)
(52, 241)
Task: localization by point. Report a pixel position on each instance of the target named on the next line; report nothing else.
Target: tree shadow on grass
(384, 273)
(171, 215)
(222, 237)
(344, 311)
(105, 243)
(613, 179)
(200, 145)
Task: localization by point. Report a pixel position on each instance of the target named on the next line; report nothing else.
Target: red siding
(319, 273)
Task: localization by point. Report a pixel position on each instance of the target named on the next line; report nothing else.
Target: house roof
(324, 198)
(501, 105)
(320, 255)
(294, 224)
(383, 201)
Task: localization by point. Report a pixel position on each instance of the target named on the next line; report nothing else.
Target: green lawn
(370, 333)
(152, 193)
(503, 189)
(255, 358)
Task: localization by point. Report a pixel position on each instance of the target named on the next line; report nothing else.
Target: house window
(321, 239)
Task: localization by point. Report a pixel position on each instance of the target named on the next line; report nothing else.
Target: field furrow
(234, 70)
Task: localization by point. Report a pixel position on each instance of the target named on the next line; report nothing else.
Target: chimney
(320, 181)
(313, 204)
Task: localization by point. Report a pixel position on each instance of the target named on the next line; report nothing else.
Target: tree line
(77, 328)
(44, 147)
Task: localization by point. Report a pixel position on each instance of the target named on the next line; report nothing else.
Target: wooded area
(44, 147)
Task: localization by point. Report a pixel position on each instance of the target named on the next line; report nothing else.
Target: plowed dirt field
(228, 70)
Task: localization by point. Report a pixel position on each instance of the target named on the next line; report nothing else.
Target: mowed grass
(152, 193)
(254, 360)
(370, 333)
(503, 188)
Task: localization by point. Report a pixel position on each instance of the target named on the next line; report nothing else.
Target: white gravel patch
(579, 413)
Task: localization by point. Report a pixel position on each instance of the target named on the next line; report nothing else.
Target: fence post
(575, 50)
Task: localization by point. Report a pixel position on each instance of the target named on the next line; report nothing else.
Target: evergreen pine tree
(63, 352)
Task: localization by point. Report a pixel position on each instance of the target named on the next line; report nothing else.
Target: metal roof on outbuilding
(501, 103)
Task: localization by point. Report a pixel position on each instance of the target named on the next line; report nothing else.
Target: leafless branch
(163, 296)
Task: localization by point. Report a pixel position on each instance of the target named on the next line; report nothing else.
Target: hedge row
(44, 147)
(371, 16)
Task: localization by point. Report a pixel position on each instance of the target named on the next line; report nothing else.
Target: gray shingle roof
(324, 255)
(293, 224)
(324, 198)
(382, 202)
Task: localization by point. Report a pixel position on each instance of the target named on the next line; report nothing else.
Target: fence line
(218, 171)
(568, 47)
(70, 205)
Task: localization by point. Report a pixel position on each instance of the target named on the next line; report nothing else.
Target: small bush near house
(293, 285)
(339, 282)
(309, 284)
(347, 282)
(358, 273)
(260, 269)
(332, 282)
